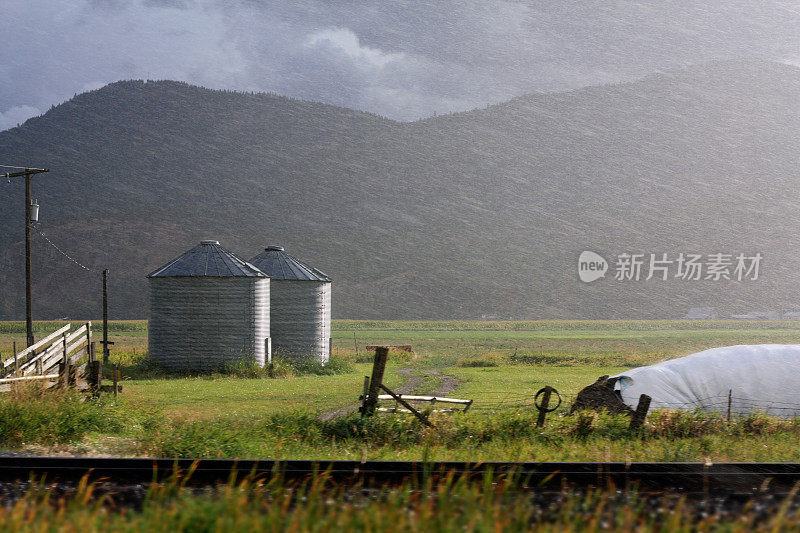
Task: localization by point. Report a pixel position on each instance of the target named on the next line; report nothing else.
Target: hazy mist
(403, 60)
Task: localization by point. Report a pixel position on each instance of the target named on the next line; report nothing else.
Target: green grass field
(499, 365)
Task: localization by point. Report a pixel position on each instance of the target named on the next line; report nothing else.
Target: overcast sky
(398, 58)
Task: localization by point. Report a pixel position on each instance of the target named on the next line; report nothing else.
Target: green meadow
(241, 412)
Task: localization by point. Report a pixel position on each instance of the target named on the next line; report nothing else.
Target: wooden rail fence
(465, 404)
(63, 358)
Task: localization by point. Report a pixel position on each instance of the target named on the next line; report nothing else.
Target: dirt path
(412, 382)
(448, 384)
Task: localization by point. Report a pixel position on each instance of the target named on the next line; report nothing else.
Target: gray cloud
(403, 59)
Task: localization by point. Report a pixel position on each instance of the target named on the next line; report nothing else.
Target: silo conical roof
(207, 259)
(278, 264)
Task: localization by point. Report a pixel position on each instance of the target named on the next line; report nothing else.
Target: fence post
(16, 360)
(95, 376)
(543, 407)
(637, 420)
(378, 367)
(115, 372)
(729, 404)
(65, 361)
(105, 315)
(89, 340)
(363, 408)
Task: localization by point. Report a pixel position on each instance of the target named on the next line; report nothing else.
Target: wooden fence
(62, 358)
(465, 404)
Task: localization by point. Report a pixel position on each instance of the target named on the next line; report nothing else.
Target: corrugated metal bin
(300, 305)
(208, 308)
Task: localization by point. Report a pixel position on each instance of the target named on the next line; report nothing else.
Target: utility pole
(28, 289)
(105, 316)
(27, 172)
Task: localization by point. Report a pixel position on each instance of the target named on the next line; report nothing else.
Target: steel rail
(680, 477)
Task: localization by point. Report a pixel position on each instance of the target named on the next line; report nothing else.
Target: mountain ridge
(455, 216)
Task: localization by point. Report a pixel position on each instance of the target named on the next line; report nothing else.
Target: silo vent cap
(210, 242)
(271, 248)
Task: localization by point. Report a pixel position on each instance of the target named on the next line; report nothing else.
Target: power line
(23, 168)
(62, 252)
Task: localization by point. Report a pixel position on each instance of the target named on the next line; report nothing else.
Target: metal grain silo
(300, 305)
(207, 308)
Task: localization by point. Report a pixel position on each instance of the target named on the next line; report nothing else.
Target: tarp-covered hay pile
(757, 378)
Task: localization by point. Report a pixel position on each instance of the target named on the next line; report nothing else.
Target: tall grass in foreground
(451, 505)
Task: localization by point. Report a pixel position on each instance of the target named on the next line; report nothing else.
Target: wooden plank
(395, 347)
(53, 359)
(44, 342)
(410, 397)
(401, 410)
(405, 404)
(33, 363)
(28, 378)
(37, 363)
(53, 351)
(80, 332)
(80, 354)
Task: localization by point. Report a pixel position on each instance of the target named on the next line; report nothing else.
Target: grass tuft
(31, 413)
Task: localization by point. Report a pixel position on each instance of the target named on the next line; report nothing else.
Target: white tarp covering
(762, 377)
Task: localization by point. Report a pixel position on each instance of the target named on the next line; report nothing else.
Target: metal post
(545, 405)
(105, 316)
(28, 291)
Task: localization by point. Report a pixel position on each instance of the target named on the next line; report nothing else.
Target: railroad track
(738, 478)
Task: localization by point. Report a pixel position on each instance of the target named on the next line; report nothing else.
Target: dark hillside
(475, 213)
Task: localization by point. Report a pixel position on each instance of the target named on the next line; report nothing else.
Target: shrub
(758, 423)
(245, 368)
(584, 424)
(335, 365)
(679, 424)
(200, 438)
(31, 413)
